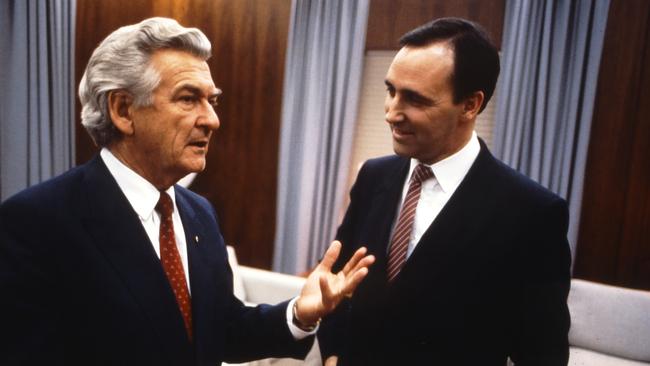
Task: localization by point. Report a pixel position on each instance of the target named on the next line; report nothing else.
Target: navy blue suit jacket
(81, 284)
(488, 280)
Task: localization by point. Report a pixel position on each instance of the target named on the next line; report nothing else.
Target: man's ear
(119, 107)
(472, 105)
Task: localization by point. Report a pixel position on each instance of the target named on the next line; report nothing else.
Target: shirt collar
(141, 194)
(450, 171)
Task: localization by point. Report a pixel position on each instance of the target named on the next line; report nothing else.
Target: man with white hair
(111, 263)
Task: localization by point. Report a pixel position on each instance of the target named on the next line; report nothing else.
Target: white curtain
(321, 91)
(37, 91)
(551, 58)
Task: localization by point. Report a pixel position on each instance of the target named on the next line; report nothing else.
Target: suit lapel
(457, 223)
(117, 232)
(382, 213)
(208, 273)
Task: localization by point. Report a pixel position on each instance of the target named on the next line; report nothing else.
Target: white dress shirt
(143, 197)
(448, 174)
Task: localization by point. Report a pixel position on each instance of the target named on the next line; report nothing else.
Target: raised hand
(324, 290)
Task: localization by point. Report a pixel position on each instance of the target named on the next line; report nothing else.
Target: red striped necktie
(403, 229)
(171, 260)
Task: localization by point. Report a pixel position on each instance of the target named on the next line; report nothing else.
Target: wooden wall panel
(614, 238)
(249, 43)
(389, 19)
(96, 20)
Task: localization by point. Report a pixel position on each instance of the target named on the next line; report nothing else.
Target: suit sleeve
(258, 332)
(30, 327)
(261, 332)
(543, 321)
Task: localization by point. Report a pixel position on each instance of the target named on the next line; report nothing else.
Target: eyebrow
(410, 93)
(196, 90)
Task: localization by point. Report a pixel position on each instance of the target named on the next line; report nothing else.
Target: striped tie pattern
(171, 260)
(402, 233)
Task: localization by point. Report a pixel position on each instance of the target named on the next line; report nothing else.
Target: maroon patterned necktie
(171, 260)
(402, 233)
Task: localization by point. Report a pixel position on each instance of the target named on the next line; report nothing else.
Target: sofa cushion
(585, 357)
(237, 282)
(610, 320)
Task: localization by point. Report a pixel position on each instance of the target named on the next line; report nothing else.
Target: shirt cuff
(297, 333)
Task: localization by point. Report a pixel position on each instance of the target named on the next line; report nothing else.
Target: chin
(402, 150)
(194, 167)
(197, 169)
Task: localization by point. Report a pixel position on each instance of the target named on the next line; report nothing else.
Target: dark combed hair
(476, 58)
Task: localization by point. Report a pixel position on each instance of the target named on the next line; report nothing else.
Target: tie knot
(421, 173)
(165, 206)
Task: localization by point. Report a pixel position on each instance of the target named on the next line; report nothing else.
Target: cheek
(425, 120)
(180, 137)
(430, 126)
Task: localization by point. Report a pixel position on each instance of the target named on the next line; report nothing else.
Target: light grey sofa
(257, 286)
(610, 326)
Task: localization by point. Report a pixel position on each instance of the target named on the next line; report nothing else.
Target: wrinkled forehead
(177, 68)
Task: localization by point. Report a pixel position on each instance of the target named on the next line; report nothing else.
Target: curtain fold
(37, 94)
(551, 57)
(323, 73)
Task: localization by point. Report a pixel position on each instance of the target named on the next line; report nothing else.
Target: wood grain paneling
(249, 43)
(96, 20)
(389, 19)
(614, 237)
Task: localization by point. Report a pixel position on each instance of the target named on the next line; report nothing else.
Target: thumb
(331, 255)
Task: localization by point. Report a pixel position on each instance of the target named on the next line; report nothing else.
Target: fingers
(354, 261)
(357, 274)
(345, 282)
(354, 281)
(334, 287)
(366, 261)
(331, 255)
(331, 361)
(327, 294)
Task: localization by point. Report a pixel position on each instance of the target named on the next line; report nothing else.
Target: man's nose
(394, 112)
(208, 117)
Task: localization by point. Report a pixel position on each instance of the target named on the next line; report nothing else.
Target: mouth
(201, 144)
(400, 133)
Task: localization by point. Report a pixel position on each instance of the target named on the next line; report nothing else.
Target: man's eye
(416, 100)
(187, 99)
(214, 102)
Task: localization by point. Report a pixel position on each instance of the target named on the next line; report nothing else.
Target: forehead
(178, 67)
(422, 66)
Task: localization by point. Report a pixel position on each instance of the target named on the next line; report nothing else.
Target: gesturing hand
(324, 290)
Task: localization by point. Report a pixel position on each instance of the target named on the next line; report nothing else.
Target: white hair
(121, 62)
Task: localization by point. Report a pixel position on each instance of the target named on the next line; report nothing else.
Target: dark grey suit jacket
(488, 280)
(81, 284)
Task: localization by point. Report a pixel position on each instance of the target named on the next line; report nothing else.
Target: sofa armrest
(610, 320)
(268, 287)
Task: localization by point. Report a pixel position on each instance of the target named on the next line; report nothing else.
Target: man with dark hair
(112, 263)
(472, 257)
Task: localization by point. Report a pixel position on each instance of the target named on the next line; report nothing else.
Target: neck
(453, 146)
(141, 166)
